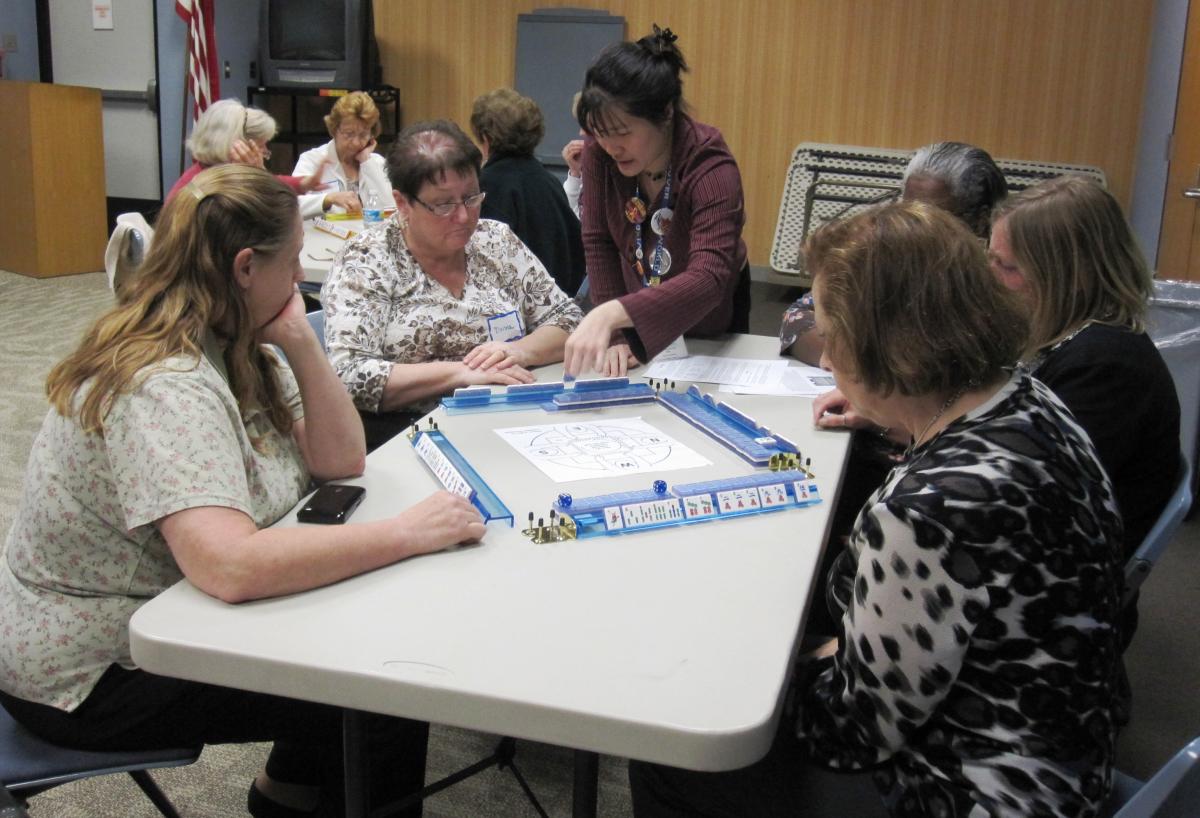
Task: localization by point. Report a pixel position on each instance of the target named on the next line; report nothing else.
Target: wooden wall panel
(1047, 80)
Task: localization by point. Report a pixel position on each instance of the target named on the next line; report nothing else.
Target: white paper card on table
(711, 369)
(675, 350)
(600, 448)
(794, 381)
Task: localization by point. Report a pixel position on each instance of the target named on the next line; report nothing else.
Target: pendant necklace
(950, 401)
(660, 223)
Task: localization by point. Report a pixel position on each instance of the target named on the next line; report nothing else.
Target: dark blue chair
(10, 807)
(1152, 547)
(1173, 792)
(29, 765)
(316, 320)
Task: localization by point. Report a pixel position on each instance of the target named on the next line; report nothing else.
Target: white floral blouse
(381, 308)
(84, 553)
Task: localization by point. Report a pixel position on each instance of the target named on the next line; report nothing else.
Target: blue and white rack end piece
(455, 474)
(727, 425)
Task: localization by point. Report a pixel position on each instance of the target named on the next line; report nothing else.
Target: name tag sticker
(505, 327)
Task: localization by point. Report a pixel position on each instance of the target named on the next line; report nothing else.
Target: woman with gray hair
(954, 176)
(959, 178)
(230, 132)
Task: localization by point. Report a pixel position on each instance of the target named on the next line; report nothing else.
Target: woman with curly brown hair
(975, 666)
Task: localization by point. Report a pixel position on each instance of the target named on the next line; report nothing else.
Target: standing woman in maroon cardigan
(662, 213)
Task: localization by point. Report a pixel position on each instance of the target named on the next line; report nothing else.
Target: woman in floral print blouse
(438, 298)
(175, 439)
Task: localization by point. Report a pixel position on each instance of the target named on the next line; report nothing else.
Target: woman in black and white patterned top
(975, 670)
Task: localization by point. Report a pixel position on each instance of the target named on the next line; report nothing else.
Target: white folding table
(672, 645)
(320, 247)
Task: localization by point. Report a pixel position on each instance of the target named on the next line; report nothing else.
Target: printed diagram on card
(589, 449)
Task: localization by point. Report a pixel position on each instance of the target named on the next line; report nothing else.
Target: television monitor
(318, 44)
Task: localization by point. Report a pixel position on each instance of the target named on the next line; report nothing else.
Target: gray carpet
(41, 320)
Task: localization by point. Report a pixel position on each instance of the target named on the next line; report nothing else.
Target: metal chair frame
(825, 181)
(1155, 543)
(1173, 792)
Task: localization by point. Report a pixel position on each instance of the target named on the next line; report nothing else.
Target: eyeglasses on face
(447, 209)
(354, 136)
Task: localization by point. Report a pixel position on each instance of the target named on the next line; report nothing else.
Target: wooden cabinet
(53, 219)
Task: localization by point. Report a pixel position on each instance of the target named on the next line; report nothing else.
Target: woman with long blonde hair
(175, 439)
(1065, 246)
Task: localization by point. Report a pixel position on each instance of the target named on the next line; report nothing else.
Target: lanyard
(660, 222)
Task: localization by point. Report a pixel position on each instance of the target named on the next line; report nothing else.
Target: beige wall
(1048, 80)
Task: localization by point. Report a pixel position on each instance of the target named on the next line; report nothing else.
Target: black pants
(783, 784)
(136, 710)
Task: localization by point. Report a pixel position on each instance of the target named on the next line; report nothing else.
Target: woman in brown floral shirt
(438, 298)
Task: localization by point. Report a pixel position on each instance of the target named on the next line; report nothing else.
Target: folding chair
(29, 765)
(127, 246)
(825, 182)
(1152, 547)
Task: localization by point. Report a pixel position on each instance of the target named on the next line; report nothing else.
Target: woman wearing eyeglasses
(438, 298)
(352, 168)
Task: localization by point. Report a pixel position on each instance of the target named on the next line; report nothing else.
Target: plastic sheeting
(1174, 324)
(1174, 319)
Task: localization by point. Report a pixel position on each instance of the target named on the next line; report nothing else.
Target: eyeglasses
(354, 136)
(447, 209)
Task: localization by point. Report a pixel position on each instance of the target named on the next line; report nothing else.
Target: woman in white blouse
(353, 173)
(438, 298)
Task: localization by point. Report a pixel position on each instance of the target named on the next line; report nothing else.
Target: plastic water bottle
(371, 212)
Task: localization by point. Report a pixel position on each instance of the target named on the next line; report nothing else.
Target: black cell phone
(331, 504)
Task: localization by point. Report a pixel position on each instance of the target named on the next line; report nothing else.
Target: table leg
(354, 761)
(587, 771)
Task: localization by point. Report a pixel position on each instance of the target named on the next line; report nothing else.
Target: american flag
(204, 83)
